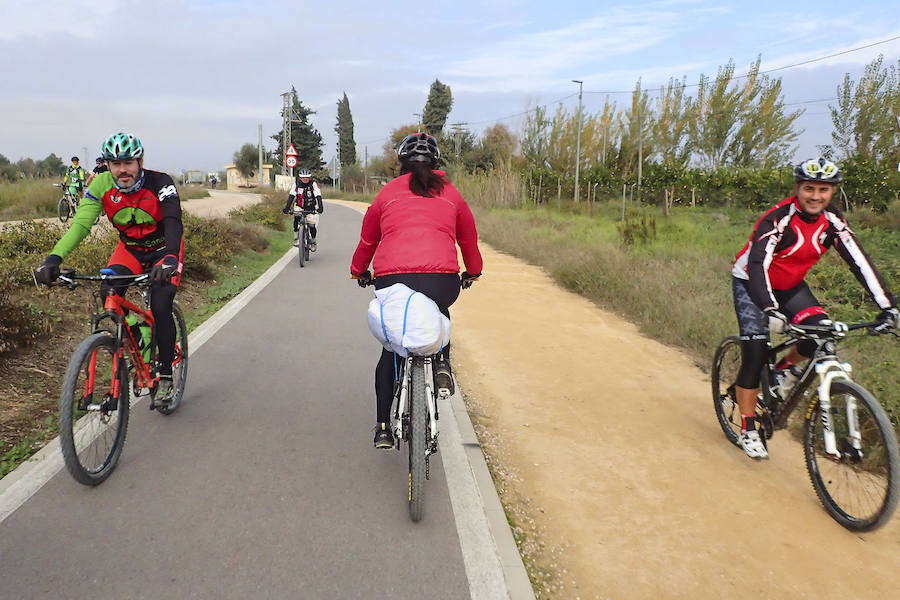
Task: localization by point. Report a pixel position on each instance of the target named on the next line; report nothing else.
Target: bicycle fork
(828, 371)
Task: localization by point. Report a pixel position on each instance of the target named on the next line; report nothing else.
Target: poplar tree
(438, 106)
(344, 131)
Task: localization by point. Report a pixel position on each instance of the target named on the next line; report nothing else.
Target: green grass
(674, 279)
(37, 198)
(241, 271)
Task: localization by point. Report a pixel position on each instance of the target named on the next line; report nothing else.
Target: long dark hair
(424, 181)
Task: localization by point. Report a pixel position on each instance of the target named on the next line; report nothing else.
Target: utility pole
(457, 137)
(366, 172)
(260, 157)
(419, 120)
(287, 111)
(640, 139)
(339, 164)
(578, 138)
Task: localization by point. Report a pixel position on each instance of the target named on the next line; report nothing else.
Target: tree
(247, 160)
(438, 106)
(306, 139)
(534, 137)
(391, 162)
(52, 166)
(715, 117)
(3, 161)
(27, 167)
(670, 130)
(344, 130)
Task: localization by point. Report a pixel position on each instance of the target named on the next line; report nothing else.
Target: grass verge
(671, 276)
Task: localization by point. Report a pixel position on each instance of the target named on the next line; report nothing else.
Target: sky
(195, 78)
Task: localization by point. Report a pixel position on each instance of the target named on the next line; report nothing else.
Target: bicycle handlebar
(835, 329)
(70, 279)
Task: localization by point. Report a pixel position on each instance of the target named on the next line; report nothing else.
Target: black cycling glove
(467, 279)
(49, 270)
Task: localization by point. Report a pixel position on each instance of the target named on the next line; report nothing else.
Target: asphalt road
(264, 484)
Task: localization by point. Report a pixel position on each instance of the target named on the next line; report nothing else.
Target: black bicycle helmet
(419, 147)
(818, 169)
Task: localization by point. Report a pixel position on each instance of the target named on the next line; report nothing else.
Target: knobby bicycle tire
(301, 242)
(851, 489)
(62, 209)
(306, 243)
(417, 428)
(724, 376)
(98, 434)
(180, 366)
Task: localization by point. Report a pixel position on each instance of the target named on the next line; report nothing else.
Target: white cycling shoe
(753, 445)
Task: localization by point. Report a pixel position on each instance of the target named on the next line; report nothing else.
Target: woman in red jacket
(411, 230)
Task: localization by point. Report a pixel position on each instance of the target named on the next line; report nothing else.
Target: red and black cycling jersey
(786, 243)
(148, 218)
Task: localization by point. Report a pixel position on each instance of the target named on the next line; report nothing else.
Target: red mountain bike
(95, 398)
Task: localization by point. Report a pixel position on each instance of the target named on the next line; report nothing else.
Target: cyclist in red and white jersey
(411, 231)
(768, 285)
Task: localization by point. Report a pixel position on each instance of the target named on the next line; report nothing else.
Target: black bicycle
(95, 399)
(848, 440)
(303, 238)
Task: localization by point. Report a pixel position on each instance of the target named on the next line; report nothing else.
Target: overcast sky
(194, 78)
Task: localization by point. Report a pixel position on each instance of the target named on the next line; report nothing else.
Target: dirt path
(613, 438)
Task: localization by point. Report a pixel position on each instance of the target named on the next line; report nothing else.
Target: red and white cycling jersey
(786, 243)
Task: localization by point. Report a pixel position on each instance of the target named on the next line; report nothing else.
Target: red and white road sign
(291, 151)
(290, 161)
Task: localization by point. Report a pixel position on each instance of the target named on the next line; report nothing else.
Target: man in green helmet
(144, 206)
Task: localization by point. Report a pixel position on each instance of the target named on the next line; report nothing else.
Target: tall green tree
(51, 166)
(247, 160)
(438, 106)
(715, 117)
(670, 129)
(765, 134)
(344, 131)
(306, 139)
(637, 139)
(534, 137)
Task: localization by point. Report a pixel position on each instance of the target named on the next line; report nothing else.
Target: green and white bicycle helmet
(818, 169)
(122, 146)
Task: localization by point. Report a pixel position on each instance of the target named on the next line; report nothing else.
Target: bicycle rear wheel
(93, 410)
(62, 209)
(859, 487)
(180, 364)
(417, 444)
(726, 364)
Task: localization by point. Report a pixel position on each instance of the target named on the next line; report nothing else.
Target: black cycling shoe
(384, 439)
(443, 379)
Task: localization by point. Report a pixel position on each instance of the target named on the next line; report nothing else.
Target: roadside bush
(208, 242)
(267, 212)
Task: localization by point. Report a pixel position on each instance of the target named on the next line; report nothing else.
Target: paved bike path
(264, 484)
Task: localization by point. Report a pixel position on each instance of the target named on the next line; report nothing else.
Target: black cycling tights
(443, 288)
(312, 228)
(161, 300)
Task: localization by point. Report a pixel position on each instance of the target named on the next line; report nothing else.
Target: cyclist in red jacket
(411, 230)
(768, 285)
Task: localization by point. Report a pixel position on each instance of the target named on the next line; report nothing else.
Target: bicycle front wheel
(726, 364)
(858, 485)
(93, 410)
(306, 243)
(417, 427)
(62, 209)
(301, 245)
(180, 364)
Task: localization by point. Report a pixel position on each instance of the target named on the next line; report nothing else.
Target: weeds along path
(218, 204)
(610, 443)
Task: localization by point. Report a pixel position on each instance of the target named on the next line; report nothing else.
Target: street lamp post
(578, 138)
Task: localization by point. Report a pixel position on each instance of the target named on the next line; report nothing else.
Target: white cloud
(41, 18)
